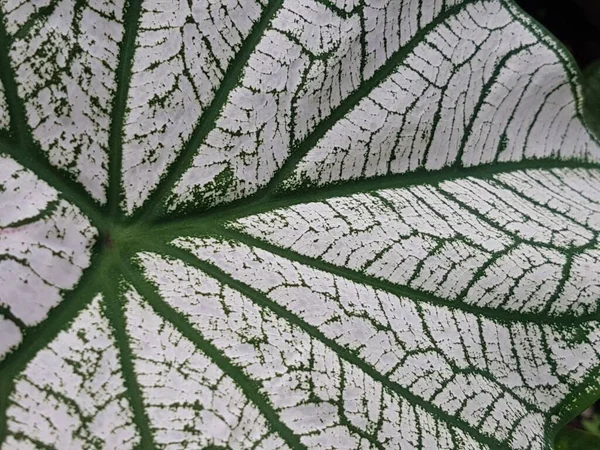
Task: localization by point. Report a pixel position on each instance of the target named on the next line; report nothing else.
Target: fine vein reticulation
(293, 224)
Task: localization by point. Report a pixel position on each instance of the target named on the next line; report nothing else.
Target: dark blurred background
(576, 23)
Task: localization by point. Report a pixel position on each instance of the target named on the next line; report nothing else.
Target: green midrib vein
(501, 316)
(115, 313)
(127, 50)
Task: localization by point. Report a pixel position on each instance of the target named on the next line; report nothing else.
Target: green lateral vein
(151, 207)
(68, 189)
(4, 311)
(513, 235)
(156, 200)
(481, 100)
(489, 263)
(127, 50)
(348, 424)
(18, 117)
(263, 301)
(528, 198)
(339, 11)
(301, 149)
(44, 11)
(205, 221)
(400, 290)
(115, 313)
(22, 146)
(38, 337)
(45, 213)
(189, 332)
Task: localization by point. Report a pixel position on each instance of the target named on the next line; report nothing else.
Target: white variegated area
(501, 379)
(416, 266)
(465, 97)
(326, 400)
(4, 117)
(309, 60)
(523, 241)
(190, 402)
(183, 51)
(72, 394)
(64, 63)
(45, 244)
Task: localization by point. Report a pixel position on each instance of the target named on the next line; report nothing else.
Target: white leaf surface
(64, 64)
(523, 241)
(466, 366)
(304, 67)
(45, 244)
(191, 403)
(322, 397)
(184, 50)
(71, 395)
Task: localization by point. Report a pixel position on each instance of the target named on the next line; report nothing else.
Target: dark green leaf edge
(573, 405)
(576, 76)
(591, 85)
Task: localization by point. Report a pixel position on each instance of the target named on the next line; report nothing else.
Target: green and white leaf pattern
(4, 118)
(62, 53)
(72, 393)
(293, 224)
(184, 51)
(45, 243)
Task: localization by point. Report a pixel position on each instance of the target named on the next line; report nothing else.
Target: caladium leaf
(293, 224)
(4, 118)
